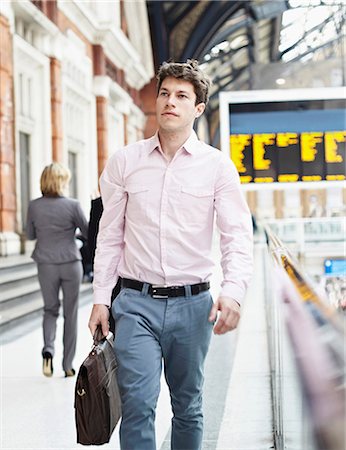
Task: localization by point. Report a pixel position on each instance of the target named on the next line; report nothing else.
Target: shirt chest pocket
(137, 203)
(196, 204)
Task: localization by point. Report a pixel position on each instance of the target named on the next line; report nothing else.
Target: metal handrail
(300, 280)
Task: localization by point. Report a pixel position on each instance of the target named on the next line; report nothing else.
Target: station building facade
(71, 75)
(77, 82)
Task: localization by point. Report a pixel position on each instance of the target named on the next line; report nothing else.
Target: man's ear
(200, 109)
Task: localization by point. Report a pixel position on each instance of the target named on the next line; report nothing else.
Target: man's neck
(171, 142)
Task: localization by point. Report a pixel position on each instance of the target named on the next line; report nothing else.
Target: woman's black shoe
(47, 364)
(70, 373)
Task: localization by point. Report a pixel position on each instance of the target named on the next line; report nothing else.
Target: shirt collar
(190, 145)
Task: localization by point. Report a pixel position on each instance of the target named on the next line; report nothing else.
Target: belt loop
(145, 289)
(188, 292)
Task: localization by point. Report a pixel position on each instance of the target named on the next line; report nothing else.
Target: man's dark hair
(188, 71)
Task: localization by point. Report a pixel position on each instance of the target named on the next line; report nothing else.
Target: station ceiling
(230, 37)
(226, 35)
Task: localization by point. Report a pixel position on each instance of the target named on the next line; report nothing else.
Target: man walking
(160, 196)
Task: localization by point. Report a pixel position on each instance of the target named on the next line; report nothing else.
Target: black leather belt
(165, 291)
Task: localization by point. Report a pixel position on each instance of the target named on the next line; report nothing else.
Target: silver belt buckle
(155, 287)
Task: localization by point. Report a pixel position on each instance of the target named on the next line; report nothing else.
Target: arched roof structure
(229, 38)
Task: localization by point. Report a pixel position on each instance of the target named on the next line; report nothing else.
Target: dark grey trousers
(68, 277)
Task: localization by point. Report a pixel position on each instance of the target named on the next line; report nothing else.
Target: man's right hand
(99, 316)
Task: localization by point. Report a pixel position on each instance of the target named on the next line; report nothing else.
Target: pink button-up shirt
(158, 219)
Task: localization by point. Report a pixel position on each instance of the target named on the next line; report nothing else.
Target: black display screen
(289, 141)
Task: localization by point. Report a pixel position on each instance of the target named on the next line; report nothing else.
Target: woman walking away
(52, 220)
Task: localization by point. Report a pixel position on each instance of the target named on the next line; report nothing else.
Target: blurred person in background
(53, 220)
(315, 208)
(96, 210)
(160, 196)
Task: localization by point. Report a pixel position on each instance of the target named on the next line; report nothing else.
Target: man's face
(175, 105)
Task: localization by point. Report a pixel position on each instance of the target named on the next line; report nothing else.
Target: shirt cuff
(102, 296)
(233, 291)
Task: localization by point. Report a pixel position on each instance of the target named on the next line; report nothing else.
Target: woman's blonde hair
(54, 179)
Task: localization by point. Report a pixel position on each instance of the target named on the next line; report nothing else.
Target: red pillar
(148, 98)
(126, 133)
(56, 109)
(7, 142)
(99, 66)
(102, 133)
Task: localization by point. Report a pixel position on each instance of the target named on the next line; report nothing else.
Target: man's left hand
(229, 315)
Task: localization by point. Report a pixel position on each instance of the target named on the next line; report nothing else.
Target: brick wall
(7, 147)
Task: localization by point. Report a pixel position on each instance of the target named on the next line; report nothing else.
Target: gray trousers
(150, 331)
(68, 277)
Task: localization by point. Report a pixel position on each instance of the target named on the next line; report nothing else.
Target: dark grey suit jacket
(53, 222)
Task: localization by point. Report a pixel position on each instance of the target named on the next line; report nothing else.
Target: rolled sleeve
(234, 222)
(110, 239)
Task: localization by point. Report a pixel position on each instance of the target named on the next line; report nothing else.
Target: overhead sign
(285, 136)
(335, 267)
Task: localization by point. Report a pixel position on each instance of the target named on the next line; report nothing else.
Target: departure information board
(287, 141)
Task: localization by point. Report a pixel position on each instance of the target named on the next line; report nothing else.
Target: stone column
(313, 202)
(9, 240)
(265, 204)
(290, 204)
(279, 200)
(251, 199)
(56, 110)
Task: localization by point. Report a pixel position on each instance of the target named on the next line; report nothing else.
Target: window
(24, 151)
(72, 164)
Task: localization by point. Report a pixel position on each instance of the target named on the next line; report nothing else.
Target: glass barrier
(319, 242)
(307, 346)
(309, 230)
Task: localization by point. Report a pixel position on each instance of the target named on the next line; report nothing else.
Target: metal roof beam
(158, 31)
(215, 15)
(181, 15)
(237, 73)
(225, 34)
(268, 10)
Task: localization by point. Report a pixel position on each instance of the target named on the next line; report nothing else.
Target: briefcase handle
(98, 336)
